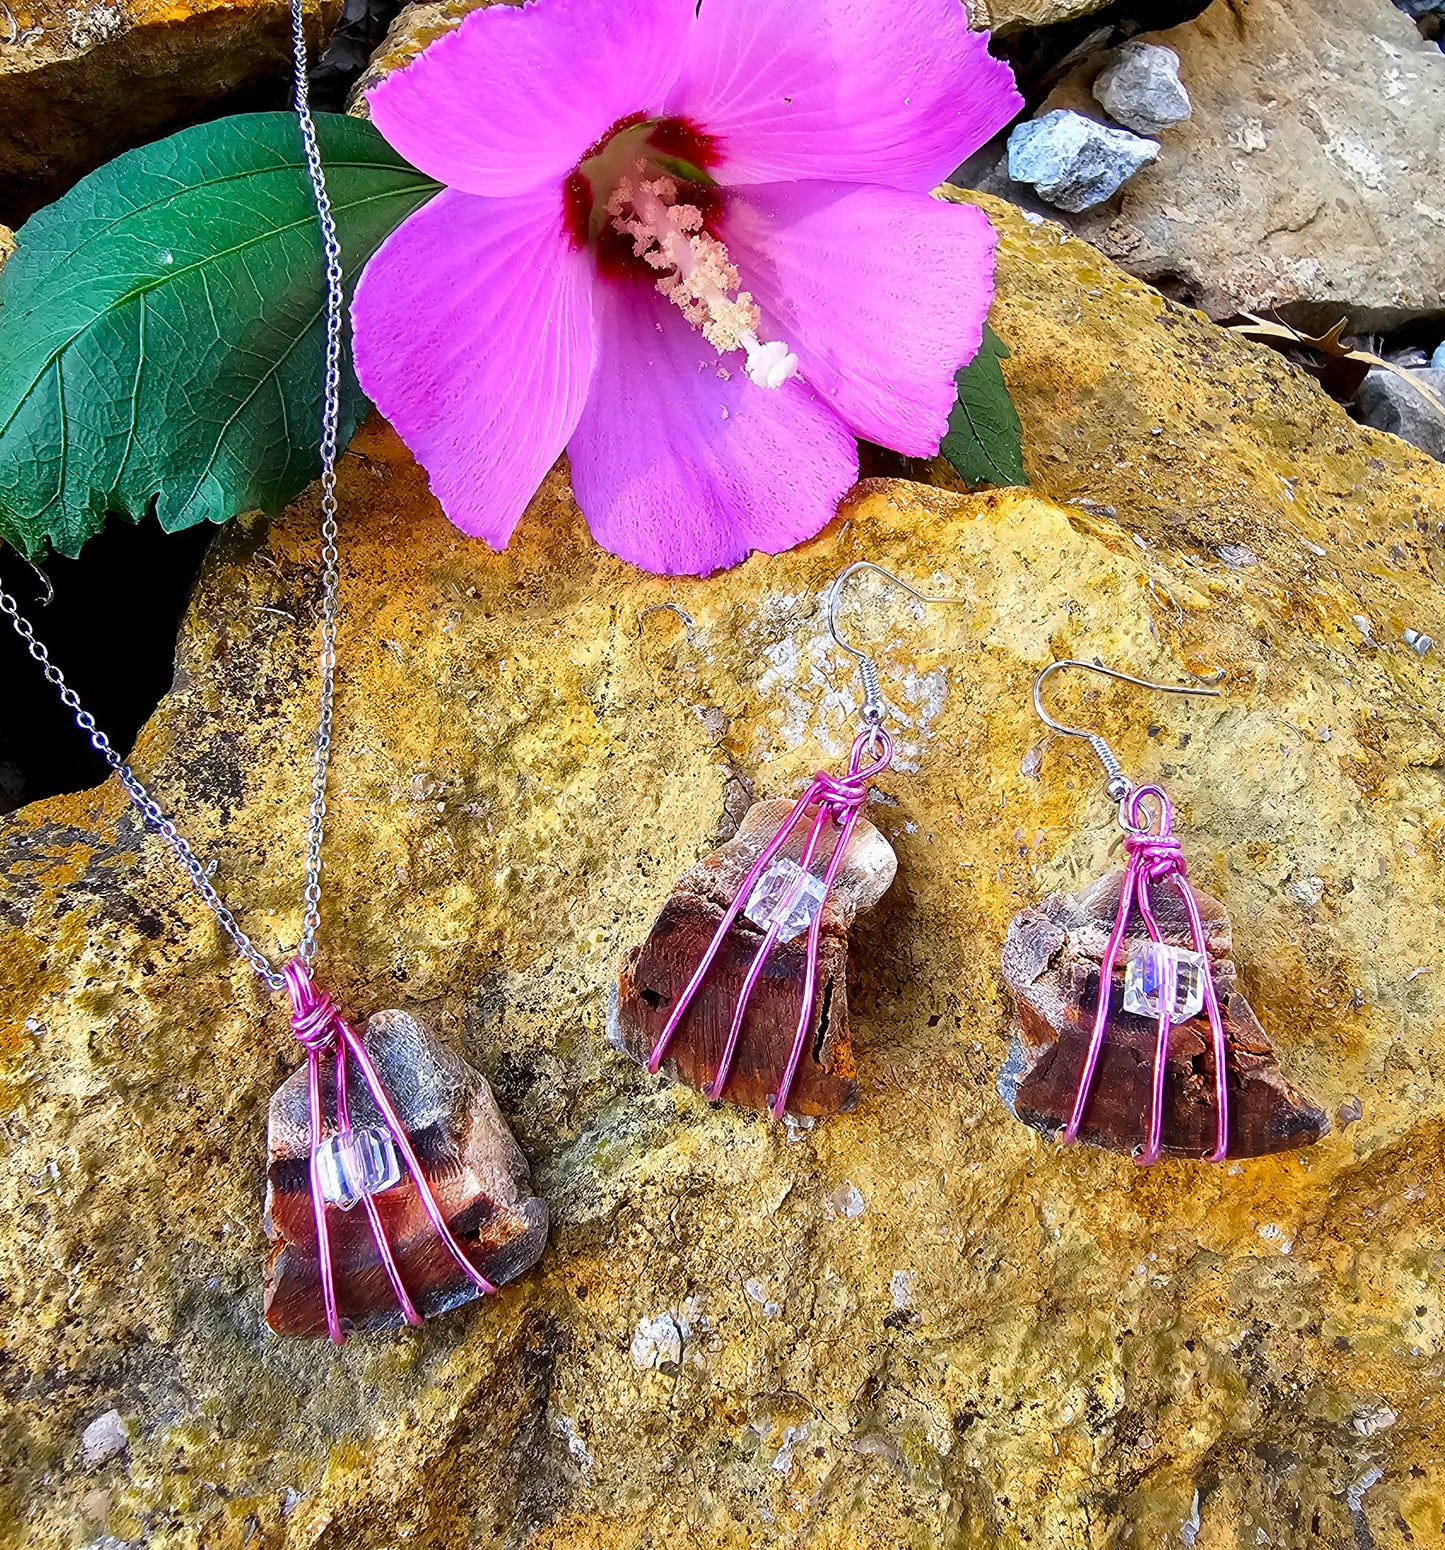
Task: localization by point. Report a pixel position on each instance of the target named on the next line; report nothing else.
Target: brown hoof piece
(1051, 963)
(655, 974)
(476, 1171)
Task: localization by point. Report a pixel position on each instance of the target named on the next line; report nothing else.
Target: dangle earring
(742, 982)
(1130, 1031)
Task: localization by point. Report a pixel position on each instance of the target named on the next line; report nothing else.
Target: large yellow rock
(919, 1324)
(81, 82)
(1012, 15)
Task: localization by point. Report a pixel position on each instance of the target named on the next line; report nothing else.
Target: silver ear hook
(873, 710)
(1119, 785)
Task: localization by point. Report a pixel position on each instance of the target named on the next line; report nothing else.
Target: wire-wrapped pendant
(398, 1126)
(741, 984)
(1130, 1030)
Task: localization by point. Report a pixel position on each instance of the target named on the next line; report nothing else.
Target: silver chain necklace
(358, 1120)
(195, 868)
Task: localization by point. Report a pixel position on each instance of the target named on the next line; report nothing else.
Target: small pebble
(1141, 89)
(1377, 1418)
(1348, 1112)
(1074, 161)
(1306, 890)
(847, 1201)
(1419, 643)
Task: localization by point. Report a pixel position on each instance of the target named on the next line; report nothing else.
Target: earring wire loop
(873, 710)
(1119, 784)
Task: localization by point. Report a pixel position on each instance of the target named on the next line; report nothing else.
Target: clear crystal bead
(1144, 980)
(353, 1163)
(770, 893)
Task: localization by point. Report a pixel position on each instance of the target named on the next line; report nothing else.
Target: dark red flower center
(646, 205)
(668, 147)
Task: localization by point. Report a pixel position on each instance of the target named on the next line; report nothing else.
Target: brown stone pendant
(478, 1179)
(1051, 963)
(799, 992)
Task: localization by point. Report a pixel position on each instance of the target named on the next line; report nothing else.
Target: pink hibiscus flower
(693, 248)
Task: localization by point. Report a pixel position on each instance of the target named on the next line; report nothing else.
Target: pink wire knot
(837, 800)
(1155, 856)
(1158, 855)
(313, 1013)
(323, 1031)
(844, 795)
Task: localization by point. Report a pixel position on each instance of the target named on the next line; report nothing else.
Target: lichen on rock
(530, 746)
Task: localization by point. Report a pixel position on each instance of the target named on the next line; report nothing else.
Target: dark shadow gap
(111, 629)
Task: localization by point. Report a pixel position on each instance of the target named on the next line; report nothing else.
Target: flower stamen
(697, 275)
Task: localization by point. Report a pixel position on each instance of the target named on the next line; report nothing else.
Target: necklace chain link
(197, 870)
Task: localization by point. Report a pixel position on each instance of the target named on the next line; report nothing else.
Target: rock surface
(1391, 404)
(918, 1324)
(1308, 177)
(1074, 161)
(1013, 15)
(1140, 88)
(79, 83)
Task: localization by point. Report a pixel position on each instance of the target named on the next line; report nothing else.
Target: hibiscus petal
(881, 294)
(474, 336)
(517, 95)
(680, 464)
(858, 91)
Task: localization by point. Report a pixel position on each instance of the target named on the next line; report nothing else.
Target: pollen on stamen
(697, 275)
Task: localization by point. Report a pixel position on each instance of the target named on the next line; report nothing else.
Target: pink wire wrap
(839, 801)
(1155, 857)
(321, 1030)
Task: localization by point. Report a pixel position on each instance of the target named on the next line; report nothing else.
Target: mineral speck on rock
(1140, 88)
(1389, 403)
(1074, 161)
(105, 1438)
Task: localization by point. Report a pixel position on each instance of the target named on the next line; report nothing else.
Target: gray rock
(1075, 162)
(1438, 359)
(1390, 404)
(1140, 88)
(1308, 178)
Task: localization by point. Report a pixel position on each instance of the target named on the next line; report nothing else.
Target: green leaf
(985, 440)
(162, 327)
